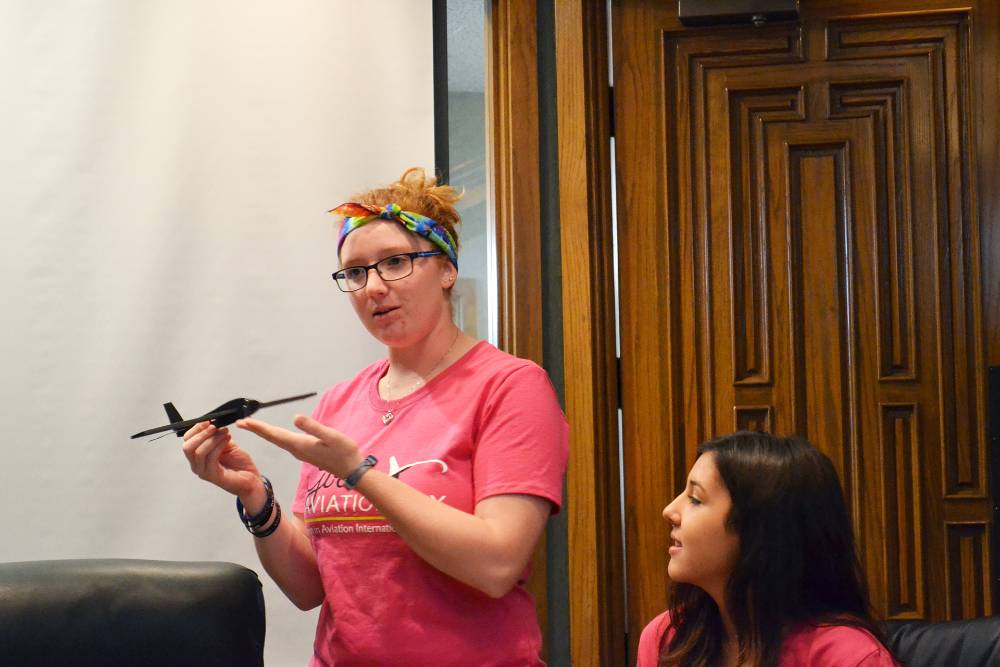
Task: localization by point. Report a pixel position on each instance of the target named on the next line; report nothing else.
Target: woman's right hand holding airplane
(215, 458)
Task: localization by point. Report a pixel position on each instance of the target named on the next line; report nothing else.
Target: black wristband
(260, 534)
(262, 517)
(352, 480)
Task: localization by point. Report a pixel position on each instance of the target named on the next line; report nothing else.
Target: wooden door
(799, 239)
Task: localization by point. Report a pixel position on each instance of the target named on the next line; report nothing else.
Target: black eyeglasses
(353, 278)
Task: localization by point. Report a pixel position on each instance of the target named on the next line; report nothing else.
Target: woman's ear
(449, 275)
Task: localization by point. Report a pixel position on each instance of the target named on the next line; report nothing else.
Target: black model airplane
(224, 415)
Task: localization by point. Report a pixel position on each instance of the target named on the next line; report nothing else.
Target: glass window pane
(475, 291)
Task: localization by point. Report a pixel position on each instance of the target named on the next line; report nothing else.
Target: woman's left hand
(319, 445)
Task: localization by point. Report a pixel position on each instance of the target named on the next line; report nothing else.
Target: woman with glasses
(426, 480)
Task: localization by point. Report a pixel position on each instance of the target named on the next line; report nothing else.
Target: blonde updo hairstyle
(416, 191)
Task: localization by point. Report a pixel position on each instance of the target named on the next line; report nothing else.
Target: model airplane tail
(174, 416)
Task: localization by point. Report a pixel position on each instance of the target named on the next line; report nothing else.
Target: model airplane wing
(225, 414)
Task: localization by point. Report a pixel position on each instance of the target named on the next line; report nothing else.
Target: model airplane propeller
(224, 415)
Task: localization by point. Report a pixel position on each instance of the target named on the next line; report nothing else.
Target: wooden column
(512, 100)
(512, 117)
(597, 628)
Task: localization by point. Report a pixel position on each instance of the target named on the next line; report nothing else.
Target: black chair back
(973, 643)
(130, 612)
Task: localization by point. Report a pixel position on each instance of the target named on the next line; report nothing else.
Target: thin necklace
(389, 415)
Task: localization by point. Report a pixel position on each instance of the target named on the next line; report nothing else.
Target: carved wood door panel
(798, 238)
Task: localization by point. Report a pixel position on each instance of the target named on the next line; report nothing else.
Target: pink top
(490, 424)
(810, 646)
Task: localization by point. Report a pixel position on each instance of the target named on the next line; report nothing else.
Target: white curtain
(165, 169)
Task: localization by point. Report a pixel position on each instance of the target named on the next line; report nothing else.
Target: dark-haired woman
(426, 479)
(763, 566)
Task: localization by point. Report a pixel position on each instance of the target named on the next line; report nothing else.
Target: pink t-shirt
(809, 646)
(489, 424)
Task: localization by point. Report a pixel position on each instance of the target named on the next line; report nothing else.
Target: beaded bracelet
(261, 518)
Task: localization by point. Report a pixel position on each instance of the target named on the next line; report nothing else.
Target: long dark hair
(797, 561)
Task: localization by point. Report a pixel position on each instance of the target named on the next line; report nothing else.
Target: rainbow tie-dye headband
(356, 215)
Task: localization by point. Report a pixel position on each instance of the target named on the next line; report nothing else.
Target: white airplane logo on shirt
(395, 470)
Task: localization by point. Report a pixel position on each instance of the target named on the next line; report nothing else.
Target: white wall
(165, 170)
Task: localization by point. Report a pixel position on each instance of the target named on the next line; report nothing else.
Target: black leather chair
(130, 612)
(973, 643)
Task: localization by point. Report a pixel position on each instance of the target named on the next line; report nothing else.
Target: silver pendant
(387, 417)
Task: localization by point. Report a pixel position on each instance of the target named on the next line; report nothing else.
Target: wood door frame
(513, 157)
(596, 595)
(988, 157)
(515, 192)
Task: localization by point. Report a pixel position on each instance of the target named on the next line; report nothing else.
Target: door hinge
(618, 381)
(611, 110)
